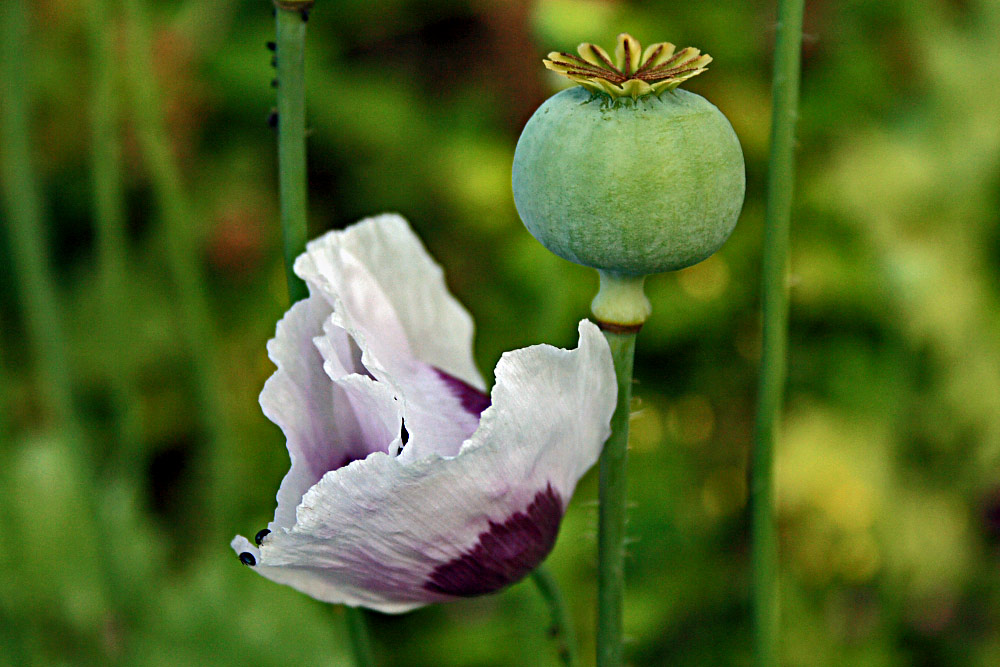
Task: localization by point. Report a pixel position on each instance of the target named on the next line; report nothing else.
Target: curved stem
(290, 40)
(561, 629)
(774, 305)
(611, 512)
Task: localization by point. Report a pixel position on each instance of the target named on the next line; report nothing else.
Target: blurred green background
(115, 518)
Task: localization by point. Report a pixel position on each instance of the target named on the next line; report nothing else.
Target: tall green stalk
(290, 53)
(774, 305)
(182, 259)
(109, 214)
(291, 17)
(25, 229)
(37, 284)
(611, 512)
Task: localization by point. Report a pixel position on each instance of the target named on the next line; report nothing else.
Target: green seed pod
(625, 173)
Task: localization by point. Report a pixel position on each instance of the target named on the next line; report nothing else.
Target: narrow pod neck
(621, 305)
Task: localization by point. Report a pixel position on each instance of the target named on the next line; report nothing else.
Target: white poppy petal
(326, 424)
(392, 535)
(298, 398)
(375, 412)
(390, 296)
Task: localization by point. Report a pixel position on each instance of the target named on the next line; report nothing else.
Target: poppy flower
(409, 484)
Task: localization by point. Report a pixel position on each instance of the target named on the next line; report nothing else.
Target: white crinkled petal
(391, 297)
(392, 535)
(325, 423)
(376, 413)
(393, 293)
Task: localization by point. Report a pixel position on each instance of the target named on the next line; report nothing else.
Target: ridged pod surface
(630, 186)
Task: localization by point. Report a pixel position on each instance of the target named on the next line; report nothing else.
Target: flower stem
(561, 629)
(290, 29)
(611, 513)
(290, 54)
(357, 633)
(774, 305)
(25, 228)
(182, 254)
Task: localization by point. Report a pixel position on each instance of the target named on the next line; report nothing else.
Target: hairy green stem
(109, 214)
(290, 40)
(774, 305)
(24, 222)
(182, 257)
(561, 629)
(611, 513)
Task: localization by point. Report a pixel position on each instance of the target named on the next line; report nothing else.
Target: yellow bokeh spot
(646, 429)
(692, 420)
(849, 503)
(857, 558)
(707, 280)
(724, 492)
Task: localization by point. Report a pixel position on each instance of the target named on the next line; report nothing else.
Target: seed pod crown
(634, 72)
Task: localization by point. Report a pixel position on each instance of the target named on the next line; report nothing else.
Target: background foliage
(114, 546)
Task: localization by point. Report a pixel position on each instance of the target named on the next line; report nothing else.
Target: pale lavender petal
(376, 412)
(298, 398)
(393, 294)
(320, 418)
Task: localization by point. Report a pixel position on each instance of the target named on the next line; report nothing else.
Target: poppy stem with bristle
(290, 23)
(620, 309)
(774, 341)
(612, 508)
(290, 67)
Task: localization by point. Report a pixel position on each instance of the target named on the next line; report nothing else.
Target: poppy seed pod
(626, 173)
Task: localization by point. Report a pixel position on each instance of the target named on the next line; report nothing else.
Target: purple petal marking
(505, 553)
(473, 400)
(321, 466)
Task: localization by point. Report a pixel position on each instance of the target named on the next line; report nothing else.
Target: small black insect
(274, 83)
(261, 534)
(247, 558)
(274, 61)
(272, 119)
(271, 46)
(305, 15)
